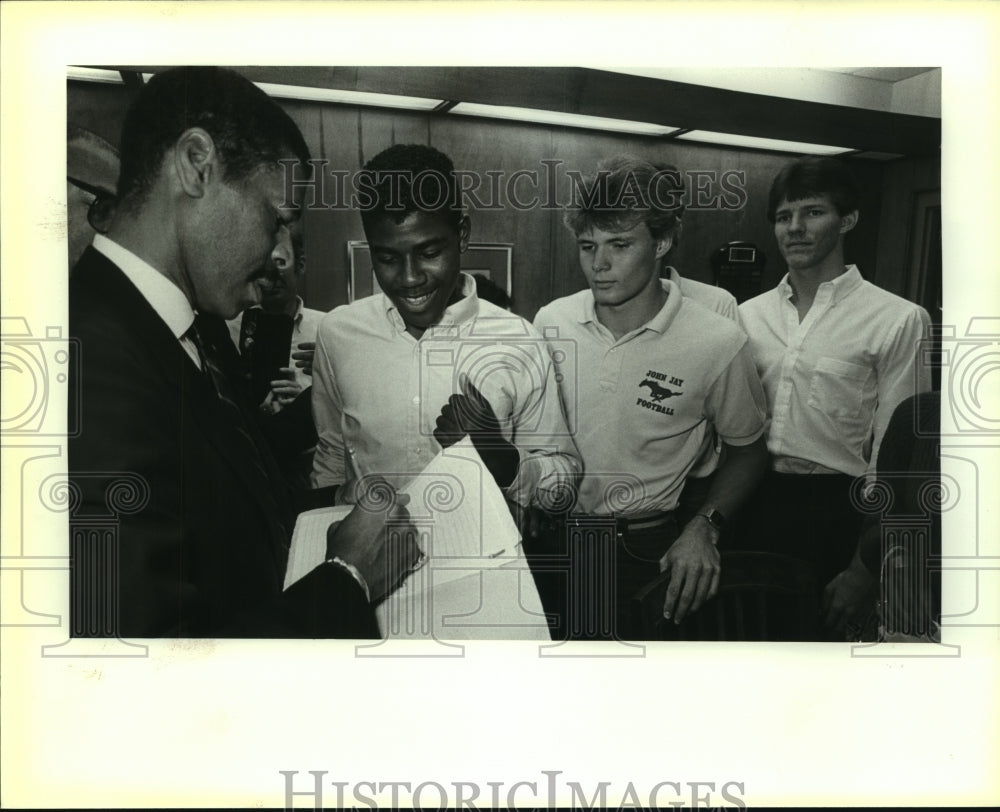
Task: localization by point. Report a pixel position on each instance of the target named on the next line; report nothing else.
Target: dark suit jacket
(201, 544)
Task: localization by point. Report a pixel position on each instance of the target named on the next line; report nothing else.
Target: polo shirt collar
(465, 309)
(659, 323)
(837, 289)
(163, 295)
(587, 313)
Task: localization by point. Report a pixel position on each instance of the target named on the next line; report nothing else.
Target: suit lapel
(96, 275)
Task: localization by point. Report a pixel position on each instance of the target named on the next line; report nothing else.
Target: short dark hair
(626, 190)
(246, 125)
(489, 290)
(813, 177)
(406, 178)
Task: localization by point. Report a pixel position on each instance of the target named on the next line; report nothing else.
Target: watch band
(714, 518)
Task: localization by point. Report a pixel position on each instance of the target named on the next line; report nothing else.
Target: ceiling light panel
(731, 140)
(561, 119)
(357, 97)
(112, 77)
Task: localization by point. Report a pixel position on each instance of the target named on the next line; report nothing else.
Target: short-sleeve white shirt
(721, 301)
(718, 300)
(640, 405)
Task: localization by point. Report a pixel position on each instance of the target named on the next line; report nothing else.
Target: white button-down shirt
(378, 391)
(833, 380)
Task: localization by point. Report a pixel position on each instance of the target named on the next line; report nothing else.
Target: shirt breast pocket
(837, 387)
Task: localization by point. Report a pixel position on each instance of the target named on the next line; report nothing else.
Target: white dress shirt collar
(163, 295)
(836, 288)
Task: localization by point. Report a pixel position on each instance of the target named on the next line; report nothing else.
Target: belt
(626, 524)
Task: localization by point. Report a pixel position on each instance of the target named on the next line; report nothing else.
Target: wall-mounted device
(737, 267)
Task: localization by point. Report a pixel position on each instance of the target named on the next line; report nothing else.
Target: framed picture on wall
(489, 259)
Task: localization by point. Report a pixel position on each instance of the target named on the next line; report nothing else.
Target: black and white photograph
(347, 395)
(669, 474)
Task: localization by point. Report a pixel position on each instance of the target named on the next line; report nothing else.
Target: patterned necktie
(201, 333)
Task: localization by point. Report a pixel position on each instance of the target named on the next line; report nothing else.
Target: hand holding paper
(377, 538)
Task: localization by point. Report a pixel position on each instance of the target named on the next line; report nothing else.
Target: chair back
(762, 596)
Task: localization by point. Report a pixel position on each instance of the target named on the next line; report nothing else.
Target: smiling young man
(654, 372)
(168, 453)
(399, 375)
(836, 355)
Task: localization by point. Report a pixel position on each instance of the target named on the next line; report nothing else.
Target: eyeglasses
(100, 208)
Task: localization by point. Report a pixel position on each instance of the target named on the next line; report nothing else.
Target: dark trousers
(587, 570)
(805, 516)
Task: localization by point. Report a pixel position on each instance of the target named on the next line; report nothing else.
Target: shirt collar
(838, 288)
(163, 295)
(659, 323)
(465, 309)
(299, 304)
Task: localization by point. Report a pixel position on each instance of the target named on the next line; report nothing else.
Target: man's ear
(464, 229)
(663, 246)
(196, 161)
(848, 221)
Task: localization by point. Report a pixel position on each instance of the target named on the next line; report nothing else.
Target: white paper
(308, 549)
(460, 514)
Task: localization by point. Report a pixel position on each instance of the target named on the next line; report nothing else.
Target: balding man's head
(247, 127)
(91, 175)
(203, 196)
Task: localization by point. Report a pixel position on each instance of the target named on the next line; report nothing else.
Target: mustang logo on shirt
(657, 392)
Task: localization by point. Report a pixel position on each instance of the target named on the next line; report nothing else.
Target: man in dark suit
(202, 537)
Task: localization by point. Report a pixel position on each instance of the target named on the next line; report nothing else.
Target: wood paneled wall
(545, 264)
(902, 181)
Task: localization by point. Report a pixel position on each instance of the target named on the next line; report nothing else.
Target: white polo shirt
(718, 300)
(834, 379)
(640, 405)
(378, 391)
(721, 301)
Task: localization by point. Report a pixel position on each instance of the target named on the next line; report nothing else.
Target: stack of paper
(462, 521)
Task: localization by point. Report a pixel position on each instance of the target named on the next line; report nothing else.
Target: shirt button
(416, 400)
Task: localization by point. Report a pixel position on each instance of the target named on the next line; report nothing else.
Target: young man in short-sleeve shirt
(645, 372)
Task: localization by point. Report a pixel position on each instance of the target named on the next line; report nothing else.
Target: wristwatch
(715, 518)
